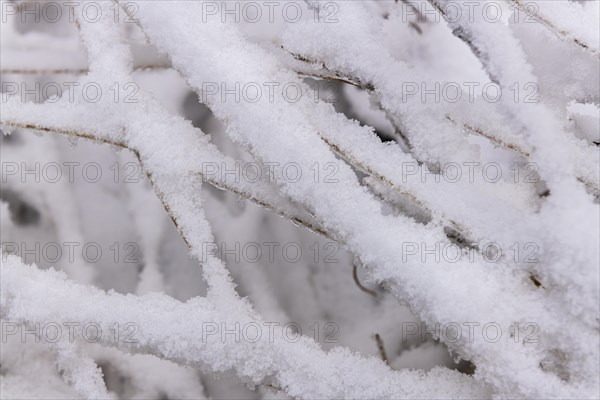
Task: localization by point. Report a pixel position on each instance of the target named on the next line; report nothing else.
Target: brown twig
(75, 71)
(263, 203)
(500, 142)
(333, 75)
(559, 32)
(381, 348)
(591, 186)
(360, 286)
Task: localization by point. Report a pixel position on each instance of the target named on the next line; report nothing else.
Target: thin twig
(500, 142)
(467, 39)
(370, 171)
(381, 348)
(592, 187)
(333, 75)
(360, 286)
(261, 202)
(559, 32)
(71, 71)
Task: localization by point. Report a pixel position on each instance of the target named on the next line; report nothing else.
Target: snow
(384, 198)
